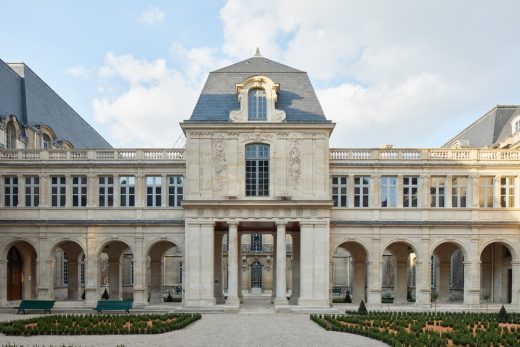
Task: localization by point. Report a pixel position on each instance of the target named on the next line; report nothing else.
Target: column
(472, 273)
(374, 271)
(44, 276)
(239, 262)
(91, 269)
(444, 279)
(139, 259)
(449, 190)
(358, 283)
(73, 277)
(273, 277)
(474, 191)
(295, 269)
(422, 280)
(232, 299)
(92, 199)
(155, 282)
(68, 190)
(496, 191)
(401, 281)
(374, 191)
(21, 191)
(281, 266)
(399, 191)
(515, 267)
(117, 191)
(140, 188)
(164, 190)
(3, 283)
(424, 191)
(219, 293)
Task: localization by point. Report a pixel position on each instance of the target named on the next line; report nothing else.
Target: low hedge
(99, 324)
(428, 328)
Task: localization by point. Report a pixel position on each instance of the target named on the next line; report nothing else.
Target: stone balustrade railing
(93, 154)
(424, 154)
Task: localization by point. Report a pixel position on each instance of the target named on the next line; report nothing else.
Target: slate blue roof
(26, 96)
(489, 129)
(296, 96)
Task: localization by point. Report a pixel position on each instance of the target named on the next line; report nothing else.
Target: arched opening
(398, 273)
(349, 273)
(496, 280)
(10, 136)
(69, 271)
(447, 272)
(257, 105)
(21, 271)
(164, 275)
(116, 263)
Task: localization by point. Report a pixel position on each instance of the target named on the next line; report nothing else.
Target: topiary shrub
(362, 310)
(105, 295)
(502, 316)
(348, 298)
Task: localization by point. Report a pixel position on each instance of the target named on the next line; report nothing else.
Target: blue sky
(408, 73)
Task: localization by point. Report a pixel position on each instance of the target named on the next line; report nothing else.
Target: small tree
(502, 316)
(362, 310)
(486, 297)
(434, 297)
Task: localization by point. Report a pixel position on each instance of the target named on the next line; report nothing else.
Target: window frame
(388, 188)
(32, 191)
(459, 191)
(127, 185)
(484, 190)
(106, 191)
(58, 191)
(11, 191)
(340, 193)
(411, 191)
(153, 191)
(259, 102)
(438, 191)
(257, 170)
(507, 191)
(79, 191)
(175, 190)
(362, 198)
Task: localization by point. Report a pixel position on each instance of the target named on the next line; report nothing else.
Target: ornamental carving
(295, 166)
(257, 136)
(220, 162)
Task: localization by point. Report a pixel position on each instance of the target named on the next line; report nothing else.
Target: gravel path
(214, 330)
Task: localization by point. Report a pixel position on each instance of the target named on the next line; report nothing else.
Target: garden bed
(98, 324)
(428, 329)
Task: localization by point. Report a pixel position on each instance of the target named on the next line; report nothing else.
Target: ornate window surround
(515, 125)
(271, 90)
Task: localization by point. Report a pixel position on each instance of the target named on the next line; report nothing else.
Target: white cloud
(78, 71)
(152, 16)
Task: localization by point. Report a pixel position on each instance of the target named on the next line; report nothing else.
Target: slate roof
(26, 96)
(489, 129)
(296, 96)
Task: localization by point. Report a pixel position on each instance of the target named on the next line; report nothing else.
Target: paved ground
(246, 329)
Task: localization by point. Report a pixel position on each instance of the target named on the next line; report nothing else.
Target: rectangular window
(340, 191)
(507, 192)
(486, 191)
(82, 269)
(361, 191)
(388, 191)
(65, 279)
(410, 191)
(10, 191)
(175, 190)
(127, 191)
(437, 191)
(459, 191)
(79, 191)
(106, 191)
(32, 191)
(58, 191)
(153, 191)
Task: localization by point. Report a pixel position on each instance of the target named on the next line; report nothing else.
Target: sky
(404, 72)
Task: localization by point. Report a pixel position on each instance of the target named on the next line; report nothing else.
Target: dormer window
(10, 136)
(516, 124)
(257, 103)
(46, 141)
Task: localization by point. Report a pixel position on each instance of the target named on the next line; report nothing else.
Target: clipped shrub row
(99, 324)
(428, 328)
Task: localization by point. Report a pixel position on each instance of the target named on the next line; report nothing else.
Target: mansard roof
(296, 95)
(489, 129)
(26, 96)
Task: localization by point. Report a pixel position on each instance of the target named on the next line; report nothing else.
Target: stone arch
(21, 277)
(447, 270)
(163, 273)
(9, 244)
(506, 243)
(350, 271)
(67, 265)
(116, 268)
(398, 270)
(496, 272)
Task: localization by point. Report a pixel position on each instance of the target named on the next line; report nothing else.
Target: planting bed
(98, 324)
(428, 329)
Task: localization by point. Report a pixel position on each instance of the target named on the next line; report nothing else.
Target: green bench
(114, 305)
(45, 305)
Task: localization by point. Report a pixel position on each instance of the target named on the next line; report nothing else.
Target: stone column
(68, 190)
(401, 281)
(424, 191)
(374, 271)
(399, 191)
(155, 282)
(273, 278)
(473, 191)
(21, 191)
(44, 276)
(422, 281)
(444, 280)
(139, 260)
(448, 191)
(140, 195)
(295, 269)
(92, 198)
(164, 191)
(219, 293)
(73, 277)
(281, 265)
(239, 262)
(358, 283)
(232, 299)
(374, 191)
(515, 267)
(117, 192)
(91, 269)
(496, 191)
(113, 279)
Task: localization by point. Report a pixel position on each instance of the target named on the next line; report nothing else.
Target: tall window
(10, 191)
(46, 141)
(410, 191)
(256, 243)
(459, 191)
(256, 274)
(257, 104)
(10, 136)
(79, 191)
(486, 191)
(106, 191)
(58, 191)
(175, 190)
(65, 273)
(127, 191)
(257, 170)
(340, 191)
(82, 268)
(433, 271)
(507, 192)
(32, 191)
(388, 191)
(437, 191)
(153, 191)
(361, 191)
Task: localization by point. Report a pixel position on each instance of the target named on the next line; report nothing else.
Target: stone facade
(149, 224)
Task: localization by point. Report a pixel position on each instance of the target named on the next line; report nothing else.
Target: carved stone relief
(295, 168)
(220, 162)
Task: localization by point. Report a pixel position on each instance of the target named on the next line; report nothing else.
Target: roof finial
(257, 54)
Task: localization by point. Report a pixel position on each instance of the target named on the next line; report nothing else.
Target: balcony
(157, 154)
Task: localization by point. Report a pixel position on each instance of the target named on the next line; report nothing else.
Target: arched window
(257, 170)
(256, 242)
(46, 141)
(256, 274)
(516, 125)
(10, 136)
(257, 104)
